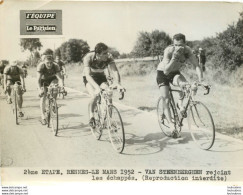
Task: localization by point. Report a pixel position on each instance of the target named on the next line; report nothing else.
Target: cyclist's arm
(87, 73)
(112, 66)
(60, 80)
(170, 63)
(193, 60)
(64, 69)
(22, 81)
(39, 80)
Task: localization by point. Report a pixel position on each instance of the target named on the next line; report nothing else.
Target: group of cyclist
(99, 64)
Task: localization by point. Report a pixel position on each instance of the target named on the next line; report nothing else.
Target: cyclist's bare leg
(43, 105)
(19, 99)
(8, 89)
(92, 101)
(180, 80)
(165, 104)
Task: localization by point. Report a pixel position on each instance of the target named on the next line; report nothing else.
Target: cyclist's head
(179, 37)
(48, 52)
(48, 59)
(102, 51)
(100, 48)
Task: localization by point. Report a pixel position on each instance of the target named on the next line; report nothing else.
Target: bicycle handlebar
(206, 87)
(122, 92)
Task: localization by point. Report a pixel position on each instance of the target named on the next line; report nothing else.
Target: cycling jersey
(13, 72)
(168, 53)
(48, 74)
(96, 65)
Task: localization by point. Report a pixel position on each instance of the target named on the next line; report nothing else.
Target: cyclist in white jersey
(168, 71)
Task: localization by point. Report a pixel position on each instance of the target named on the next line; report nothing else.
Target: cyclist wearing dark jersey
(47, 73)
(168, 71)
(13, 74)
(95, 65)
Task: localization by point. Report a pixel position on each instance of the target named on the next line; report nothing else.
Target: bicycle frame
(178, 119)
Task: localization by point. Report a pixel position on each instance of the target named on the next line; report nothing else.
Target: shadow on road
(78, 130)
(221, 145)
(151, 143)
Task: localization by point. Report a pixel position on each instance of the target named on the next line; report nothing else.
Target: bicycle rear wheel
(54, 116)
(201, 125)
(97, 130)
(116, 129)
(163, 121)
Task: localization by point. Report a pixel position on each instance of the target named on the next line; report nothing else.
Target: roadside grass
(139, 78)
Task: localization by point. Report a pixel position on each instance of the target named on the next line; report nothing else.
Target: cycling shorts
(165, 80)
(12, 81)
(47, 82)
(98, 78)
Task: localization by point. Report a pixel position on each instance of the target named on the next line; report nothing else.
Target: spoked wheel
(97, 130)
(201, 125)
(163, 121)
(116, 129)
(54, 116)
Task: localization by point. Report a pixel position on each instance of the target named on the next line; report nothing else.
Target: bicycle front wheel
(116, 129)
(97, 130)
(54, 116)
(162, 119)
(201, 125)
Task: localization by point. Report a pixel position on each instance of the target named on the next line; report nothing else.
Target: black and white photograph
(121, 91)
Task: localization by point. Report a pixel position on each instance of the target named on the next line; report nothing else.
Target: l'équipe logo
(41, 22)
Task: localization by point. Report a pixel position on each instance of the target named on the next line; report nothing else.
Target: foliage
(33, 45)
(73, 50)
(225, 51)
(151, 44)
(33, 61)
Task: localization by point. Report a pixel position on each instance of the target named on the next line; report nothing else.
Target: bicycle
(64, 75)
(15, 90)
(108, 117)
(51, 107)
(200, 120)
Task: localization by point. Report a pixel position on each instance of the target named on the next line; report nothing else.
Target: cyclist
(168, 71)
(201, 58)
(47, 73)
(24, 67)
(61, 66)
(2, 66)
(12, 74)
(95, 65)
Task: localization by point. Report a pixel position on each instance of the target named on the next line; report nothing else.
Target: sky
(117, 23)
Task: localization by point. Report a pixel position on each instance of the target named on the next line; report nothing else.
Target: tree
(73, 50)
(151, 44)
(32, 45)
(159, 41)
(142, 46)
